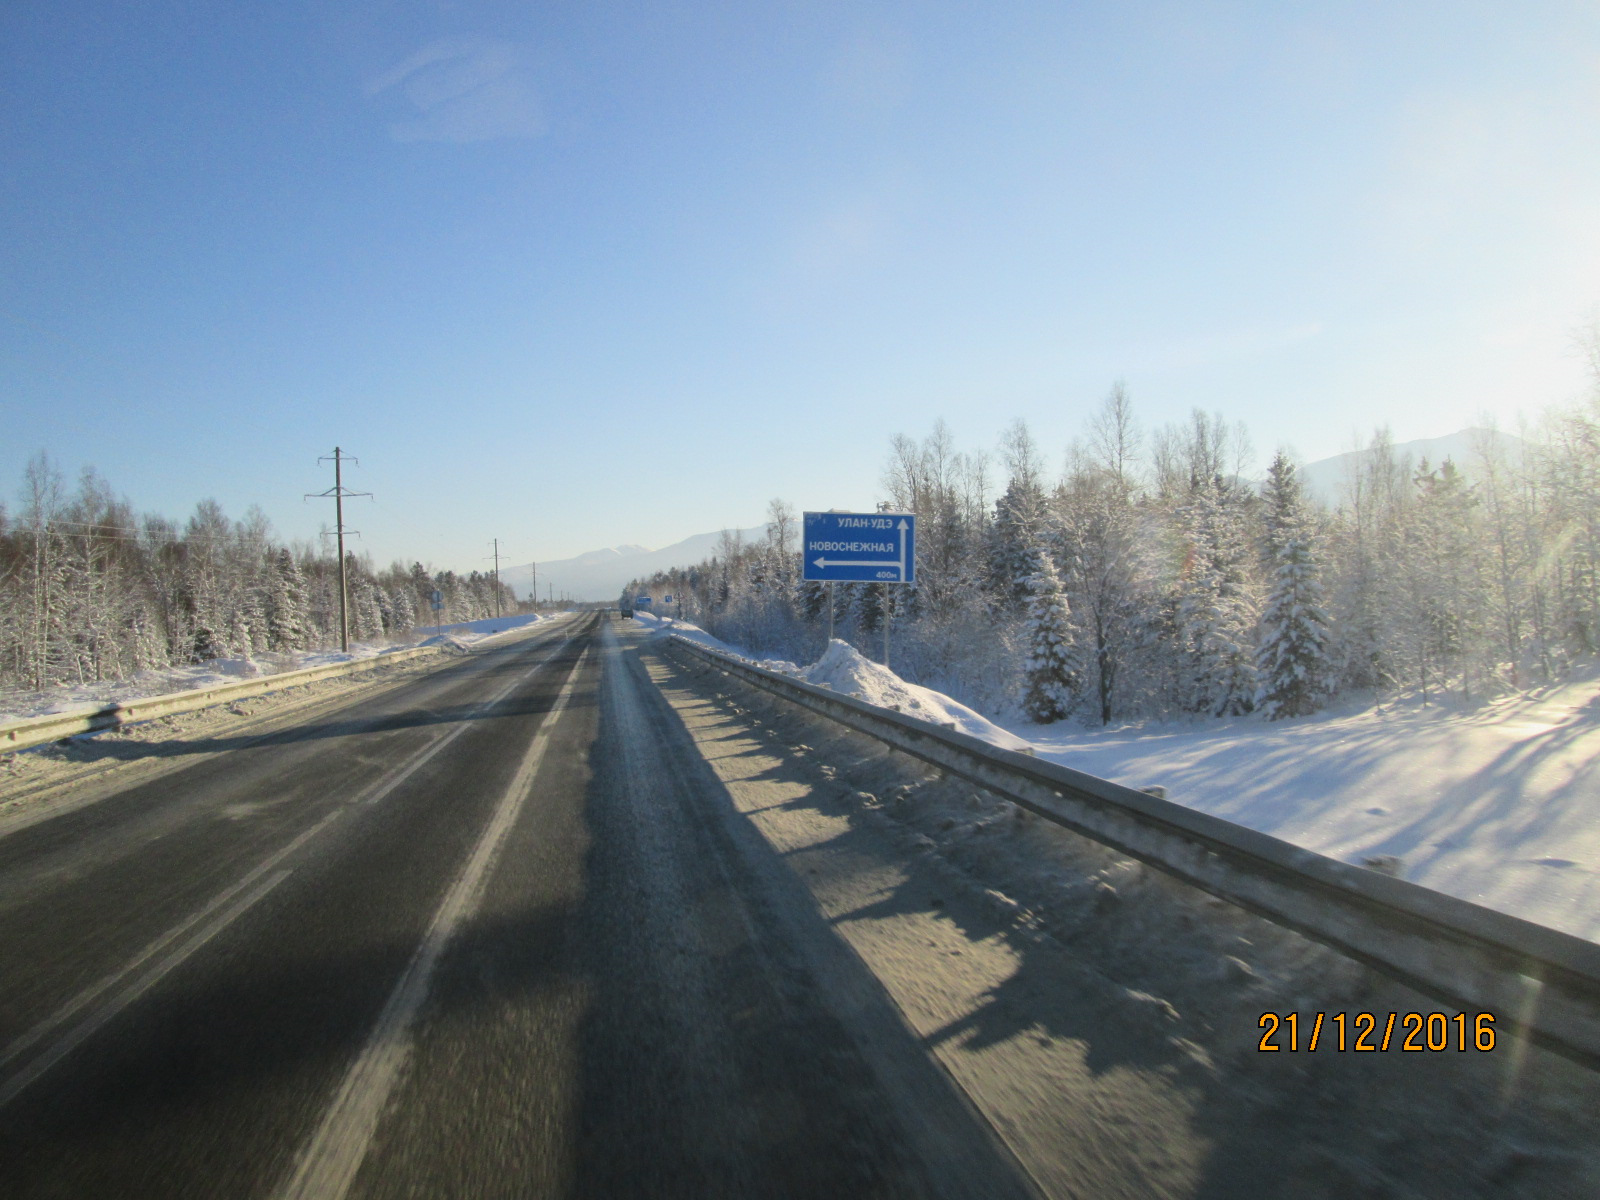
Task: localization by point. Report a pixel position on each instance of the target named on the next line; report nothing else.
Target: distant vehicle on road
(626, 612)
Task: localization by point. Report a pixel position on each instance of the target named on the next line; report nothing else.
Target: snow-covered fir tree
(241, 637)
(872, 601)
(206, 646)
(366, 619)
(286, 603)
(1456, 603)
(381, 597)
(1019, 520)
(1013, 536)
(813, 600)
(1052, 677)
(1216, 612)
(402, 609)
(1293, 665)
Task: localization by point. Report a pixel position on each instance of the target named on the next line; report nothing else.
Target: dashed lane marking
(329, 1163)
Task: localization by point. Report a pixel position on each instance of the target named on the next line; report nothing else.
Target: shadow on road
(108, 747)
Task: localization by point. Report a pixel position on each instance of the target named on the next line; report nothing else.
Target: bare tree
(1114, 436)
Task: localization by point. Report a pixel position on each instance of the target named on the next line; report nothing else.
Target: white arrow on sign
(877, 562)
(840, 562)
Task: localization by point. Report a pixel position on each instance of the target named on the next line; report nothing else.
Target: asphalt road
(495, 933)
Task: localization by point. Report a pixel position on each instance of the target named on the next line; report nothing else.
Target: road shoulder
(1104, 1018)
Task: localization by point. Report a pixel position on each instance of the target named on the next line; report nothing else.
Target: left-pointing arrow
(875, 562)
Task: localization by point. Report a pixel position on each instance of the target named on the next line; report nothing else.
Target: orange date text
(1413, 1031)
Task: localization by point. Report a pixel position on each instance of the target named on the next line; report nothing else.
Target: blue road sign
(642, 602)
(438, 600)
(860, 547)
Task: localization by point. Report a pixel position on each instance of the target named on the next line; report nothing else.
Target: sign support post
(886, 610)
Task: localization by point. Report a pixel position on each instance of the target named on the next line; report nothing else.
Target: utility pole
(338, 493)
(534, 595)
(497, 577)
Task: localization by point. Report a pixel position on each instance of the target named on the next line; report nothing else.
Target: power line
(86, 529)
(168, 537)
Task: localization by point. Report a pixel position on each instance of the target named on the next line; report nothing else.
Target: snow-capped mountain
(1326, 477)
(602, 574)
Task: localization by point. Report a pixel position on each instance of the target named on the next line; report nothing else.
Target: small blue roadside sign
(666, 599)
(642, 602)
(860, 547)
(438, 600)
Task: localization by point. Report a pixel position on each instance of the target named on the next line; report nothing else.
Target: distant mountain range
(602, 574)
(1326, 478)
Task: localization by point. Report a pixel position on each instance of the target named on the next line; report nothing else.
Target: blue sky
(579, 274)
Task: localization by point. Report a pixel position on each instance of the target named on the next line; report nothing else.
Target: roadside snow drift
(845, 670)
(1498, 805)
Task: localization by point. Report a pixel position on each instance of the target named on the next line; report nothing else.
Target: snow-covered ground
(1499, 805)
(843, 669)
(17, 705)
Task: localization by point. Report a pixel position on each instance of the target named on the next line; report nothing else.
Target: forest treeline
(91, 591)
(1150, 578)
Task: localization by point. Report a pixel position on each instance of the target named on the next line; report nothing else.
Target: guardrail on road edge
(1540, 980)
(52, 727)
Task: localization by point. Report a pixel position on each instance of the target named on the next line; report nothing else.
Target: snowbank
(470, 633)
(842, 668)
(165, 681)
(1499, 805)
(665, 625)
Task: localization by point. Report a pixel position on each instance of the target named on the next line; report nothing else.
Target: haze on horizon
(575, 276)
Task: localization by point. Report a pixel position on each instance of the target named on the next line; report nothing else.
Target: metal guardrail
(52, 727)
(1533, 979)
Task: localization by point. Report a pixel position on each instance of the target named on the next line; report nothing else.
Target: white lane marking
(151, 954)
(27, 816)
(135, 987)
(384, 787)
(329, 1163)
(170, 950)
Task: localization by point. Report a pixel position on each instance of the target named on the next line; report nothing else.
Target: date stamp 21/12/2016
(1412, 1031)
